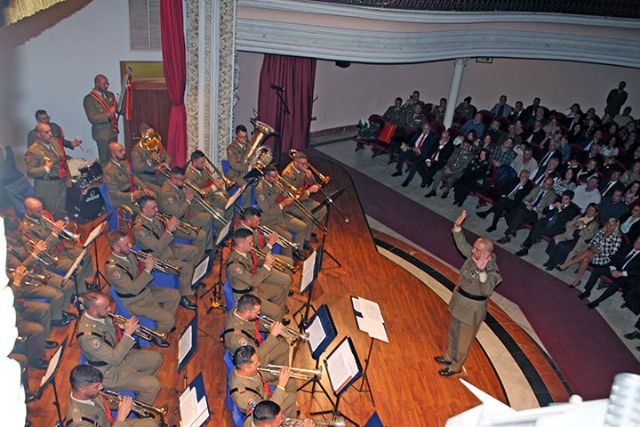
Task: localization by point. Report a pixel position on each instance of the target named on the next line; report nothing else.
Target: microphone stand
(283, 109)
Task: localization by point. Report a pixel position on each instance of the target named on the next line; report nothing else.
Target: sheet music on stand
(194, 409)
(322, 331)
(93, 235)
(200, 270)
(75, 264)
(188, 343)
(309, 271)
(53, 364)
(343, 366)
(224, 234)
(369, 318)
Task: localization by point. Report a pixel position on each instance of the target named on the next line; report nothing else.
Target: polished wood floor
(407, 389)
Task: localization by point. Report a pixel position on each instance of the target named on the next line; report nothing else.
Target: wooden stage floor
(407, 388)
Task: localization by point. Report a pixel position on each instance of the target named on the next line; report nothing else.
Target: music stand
(93, 235)
(193, 405)
(50, 377)
(328, 202)
(216, 289)
(198, 273)
(369, 319)
(310, 270)
(322, 332)
(283, 109)
(343, 367)
(188, 343)
(72, 272)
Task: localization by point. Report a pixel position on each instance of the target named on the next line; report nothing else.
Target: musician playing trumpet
(155, 239)
(268, 414)
(299, 175)
(123, 367)
(86, 408)
(147, 160)
(123, 187)
(131, 278)
(248, 386)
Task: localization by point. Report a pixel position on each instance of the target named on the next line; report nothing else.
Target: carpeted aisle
(583, 346)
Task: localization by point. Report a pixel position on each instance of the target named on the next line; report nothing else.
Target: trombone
(322, 179)
(278, 264)
(227, 182)
(183, 226)
(296, 422)
(281, 240)
(298, 373)
(143, 332)
(64, 233)
(139, 408)
(288, 333)
(161, 266)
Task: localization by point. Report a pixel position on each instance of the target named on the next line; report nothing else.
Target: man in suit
(623, 269)
(535, 134)
(514, 191)
(616, 99)
(607, 188)
(436, 158)
(613, 206)
(552, 152)
(596, 139)
(100, 107)
(530, 209)
(517, 113)
(555, 218)
(419, 145)
(544, 172)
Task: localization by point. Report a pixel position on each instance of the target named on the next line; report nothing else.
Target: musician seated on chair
(131, 280)
(248, 386)
(86, 407)
(242, 328)
(154, 239)
(112, 352)
(300, 176)
(198, 174)
(149, 157)
(268, 414)
(179, 201)
(249, 276)
(235, 155)
(38, 224)
(123, 187)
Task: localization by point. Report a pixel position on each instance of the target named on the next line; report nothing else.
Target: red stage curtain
(175, 74)
(297, 76)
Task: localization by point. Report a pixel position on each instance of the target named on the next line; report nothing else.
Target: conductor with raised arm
(479, 276)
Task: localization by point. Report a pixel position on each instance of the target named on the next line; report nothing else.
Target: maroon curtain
(297, 76)
(175, 74)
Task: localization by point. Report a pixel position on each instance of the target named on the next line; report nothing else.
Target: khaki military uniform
(103, 128)
(117, 177)
(298, 178)
(247, 392)
(93, 413)
(237, 167)
(172, 201)
(153, 238)
(132, 284)
(214, 197)
(64, 251)
(57, 133)
(198, 239)
(395, 115)
(49, 185)
(468, 305)
(239, 332)
(457, 163)
(274, 216)
(33, 320)
(123, 367)
(144, 167)
(240, 271)
(414, 121)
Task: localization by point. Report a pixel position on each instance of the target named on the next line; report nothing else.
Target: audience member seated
(534, 135)
(601, 248)
(440, 110)
(612, 184)
(553, 222)
(566, 183)
(416, 151)
(474, 124)
(524, 160)
(517, 113)
(587, 193)
(613, 206)
(633, 174)
(629, 224)
(465, 110)
(501, 109)
(543, 172)
(625, 118)
(510, 133)
(414, 120)
(436, 158)
(588, 172)
(514, 191)
(395, 113)
(453, 170)
(472, 178)
(575, 239)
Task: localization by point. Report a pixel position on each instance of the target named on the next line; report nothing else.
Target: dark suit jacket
(538, 136)
(444, 155)
(556, 220)
(430, 140)
(617, 186)
(634, 231)
(516, 115)
(633, 268)
(512, 183)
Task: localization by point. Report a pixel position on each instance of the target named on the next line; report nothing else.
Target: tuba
(258, 154)
(151, 141)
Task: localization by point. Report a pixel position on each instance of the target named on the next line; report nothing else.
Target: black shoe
(444, 195)
(184, 301)
(549, 268)
(592, 305)
(405, 183)
(446, 372)
(396, 173)
(491, 228)
(459, 204)
(285, 322)
(423, 184)
(430, 194)
(584, 295)
(504, 240)
(62, 322)
(39, 364)
(29, 397)
(69, 315)
(482, 215)
(523, 252)
(158, 342)
(306, 246)
(50, 344)
(632, 335)
(314, 238)
(290, 293)
(442, 360)
(173, 329)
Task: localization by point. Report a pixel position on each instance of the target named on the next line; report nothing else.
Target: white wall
(56, 69)
(345, 95)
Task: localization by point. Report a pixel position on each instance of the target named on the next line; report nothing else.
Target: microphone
(278, 88)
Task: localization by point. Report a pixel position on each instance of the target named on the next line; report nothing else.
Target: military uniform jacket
(128, 277)
(99, 343)
(143, 163)
(459, 160)
(102, 127)
(152, 237)
(298, 178)
(117, 178)
(56, 131)
(414, 120)
(172, 201)
(84, 414)
(239, 332)
(259, 239)
(247, 392)
(235, 155)
(469, 310)
(239, 270)
(394, 115)
(267, 196)
(38, 231)
(201, 180)
(34, 161)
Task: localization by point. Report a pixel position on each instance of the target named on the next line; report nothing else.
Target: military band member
(177, 200)
(248, 276)
(123, 187)
(242, 328)
(199, 175)
(272, 204)
(131, 282)
(249, 386)
(100, 107)
(147, 165)
(268, 414)
(479, 276)
(123, 367)
(87, 408)
(299, 175)
(156, 240)
(43, 117)
(235, 155)
(34, 226)
(45, 162)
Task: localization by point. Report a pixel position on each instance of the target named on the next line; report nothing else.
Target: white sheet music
(75, 265)
(369, 318)
(200, 270)
(374, 329)
(53, 364)
(192, 412)
(369, 309)
(316, 333)
(185, 343)
(95, 233)
(341, 366)
(223, 233)
(308, 268)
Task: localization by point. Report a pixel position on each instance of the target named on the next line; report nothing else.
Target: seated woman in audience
(588, 172)
(601, 248)
(576, 136)
(485, 143)
(630, 224)
(579, 231)
(473, 177)
(552, 126)
(632, 193)
(632, 174)
(611, 149)
(566, 183)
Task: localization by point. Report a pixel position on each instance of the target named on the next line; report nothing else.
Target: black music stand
(216, 290)
(188, 343)
(310, 270)
(50, 377)
(71, 275)
(328, 202)
(91, 240)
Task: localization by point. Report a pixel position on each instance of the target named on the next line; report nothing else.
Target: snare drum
(90, 174)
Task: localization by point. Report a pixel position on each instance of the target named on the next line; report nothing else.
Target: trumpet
(278, 264)
(64, 233)
(36, 279)
(288, 333)
(161, 266)
(281, 240)
(143, 332)
(44, 257)
(322, 179)
(295, 422)
(139, 408)
(183, 226)
(298, 373)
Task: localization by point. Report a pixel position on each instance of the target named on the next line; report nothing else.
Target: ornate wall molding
(226, 79)
(193, 58)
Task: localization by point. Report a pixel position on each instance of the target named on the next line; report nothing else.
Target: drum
(387, 132)
(86, 202)
(90, 174)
